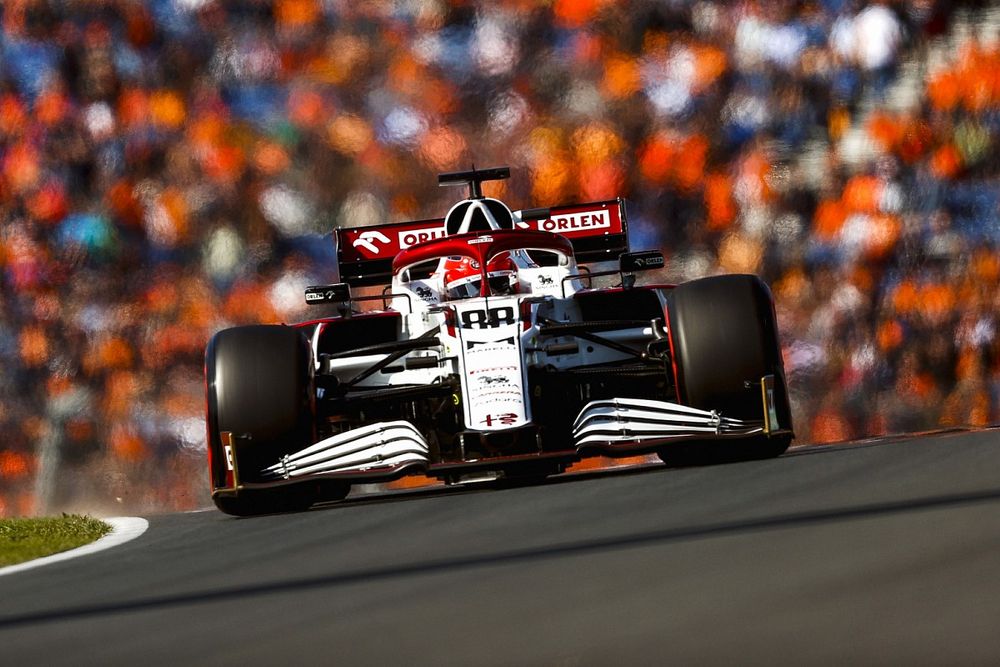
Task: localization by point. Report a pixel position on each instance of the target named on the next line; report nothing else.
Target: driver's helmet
(462, 277)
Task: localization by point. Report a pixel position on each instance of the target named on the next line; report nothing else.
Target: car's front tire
(259, 383)
(724, 338)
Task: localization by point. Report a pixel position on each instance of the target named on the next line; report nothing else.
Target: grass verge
(26, 539)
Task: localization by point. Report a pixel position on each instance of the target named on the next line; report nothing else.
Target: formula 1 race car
(492, 358)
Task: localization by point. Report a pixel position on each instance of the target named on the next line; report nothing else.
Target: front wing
(616, 427)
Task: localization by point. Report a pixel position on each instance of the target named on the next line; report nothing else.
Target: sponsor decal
(652, 262)
(576, 222)
(545, 280)
(504, 398)
(480, 239)
(425, 293)
(493, 379)
(230, 464)
(367, 240)
(507, 419)
(329, 295)
(415, 236)
(640, 261)
(503, 341)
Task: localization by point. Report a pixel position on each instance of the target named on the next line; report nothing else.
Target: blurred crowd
(172, 167)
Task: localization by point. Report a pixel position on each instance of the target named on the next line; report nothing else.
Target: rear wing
(598, 232)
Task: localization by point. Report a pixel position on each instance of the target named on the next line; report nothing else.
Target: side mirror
(643, 260)
(336, 293)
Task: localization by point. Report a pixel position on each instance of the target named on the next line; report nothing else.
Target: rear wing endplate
(597, 230)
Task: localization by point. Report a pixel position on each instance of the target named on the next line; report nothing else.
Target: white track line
(123, 529)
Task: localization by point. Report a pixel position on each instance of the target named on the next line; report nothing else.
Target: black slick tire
(259, 383)
(724, 338)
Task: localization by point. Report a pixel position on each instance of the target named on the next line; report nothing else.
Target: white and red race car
(492, 358)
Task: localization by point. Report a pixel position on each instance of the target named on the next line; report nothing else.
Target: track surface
(882, 553)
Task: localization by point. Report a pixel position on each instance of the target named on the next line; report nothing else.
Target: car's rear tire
(724, 337)
(259, 382)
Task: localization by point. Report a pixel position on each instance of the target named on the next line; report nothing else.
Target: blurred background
(172, 167)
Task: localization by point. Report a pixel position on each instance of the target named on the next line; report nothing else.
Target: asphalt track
(884, 553)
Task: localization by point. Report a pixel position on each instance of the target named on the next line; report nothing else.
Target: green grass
(26, 539)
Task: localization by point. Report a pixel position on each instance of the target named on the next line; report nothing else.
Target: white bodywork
(490, 343)
(386, 444)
